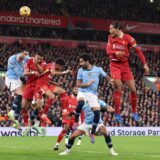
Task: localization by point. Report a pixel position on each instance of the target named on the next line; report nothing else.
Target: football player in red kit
(68, 118)
(43, 86)
(32, 70)
(117, 49)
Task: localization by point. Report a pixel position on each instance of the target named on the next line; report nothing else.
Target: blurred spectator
(77, 34)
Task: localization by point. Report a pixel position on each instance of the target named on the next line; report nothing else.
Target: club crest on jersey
(114, 46)
(89, 74)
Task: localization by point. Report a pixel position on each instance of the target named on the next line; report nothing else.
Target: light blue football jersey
(15, 69)
(86, 75)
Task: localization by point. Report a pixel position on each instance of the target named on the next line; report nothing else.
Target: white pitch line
(120, 154)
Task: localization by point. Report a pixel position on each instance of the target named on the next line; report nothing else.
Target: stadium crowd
(147, 99)
(105, 9)
(80, 34)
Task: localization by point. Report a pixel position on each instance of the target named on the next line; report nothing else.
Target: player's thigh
(19, 91)
(127, 74)
(81, 96)
(131, 85)
(25, 103)
(77, 133)
(85, 127)
(50, 94)
(58, 90)
(92, 101)
(28, 92)
(102, 129)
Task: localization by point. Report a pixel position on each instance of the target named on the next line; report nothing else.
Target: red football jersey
(72, 103)
(122, 43)
(32, 67)
(42, 80)
(70, 107)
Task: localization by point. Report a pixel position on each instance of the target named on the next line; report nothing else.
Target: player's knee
(132, 90)
(61, 90)
(50, 95)
(103, 131)
(118, 85)
(133, 93)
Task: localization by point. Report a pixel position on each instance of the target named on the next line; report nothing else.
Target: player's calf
(95, 121)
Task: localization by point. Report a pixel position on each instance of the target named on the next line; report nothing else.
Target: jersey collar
(121, 34)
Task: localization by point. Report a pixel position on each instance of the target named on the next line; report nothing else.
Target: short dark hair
(40, 53)
(87, 57)
(116, 25)
(60, 62)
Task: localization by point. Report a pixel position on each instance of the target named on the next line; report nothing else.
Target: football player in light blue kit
(87, 82)
(87, 125)
(15, 70)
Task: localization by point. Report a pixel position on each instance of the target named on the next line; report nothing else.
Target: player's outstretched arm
(142, 58)
(54, 72)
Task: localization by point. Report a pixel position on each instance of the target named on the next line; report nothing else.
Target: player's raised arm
(54, 72)
(133, 44)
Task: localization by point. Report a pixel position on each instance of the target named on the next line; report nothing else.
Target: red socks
(133, 101)
(61, 135)
(25, 117)
(47, 105)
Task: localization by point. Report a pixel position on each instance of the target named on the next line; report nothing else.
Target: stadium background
(66, 29)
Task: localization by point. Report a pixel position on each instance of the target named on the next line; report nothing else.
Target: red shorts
(68, 121)
(45, 88)
(28, 91)
(120, 70)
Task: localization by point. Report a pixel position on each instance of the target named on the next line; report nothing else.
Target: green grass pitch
(40, 148)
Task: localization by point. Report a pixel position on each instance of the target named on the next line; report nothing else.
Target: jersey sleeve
(11, 63)
(79, 75)
(27, 64)
(102, 72)
(102, 103)
(131, 40)
(49, 66)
